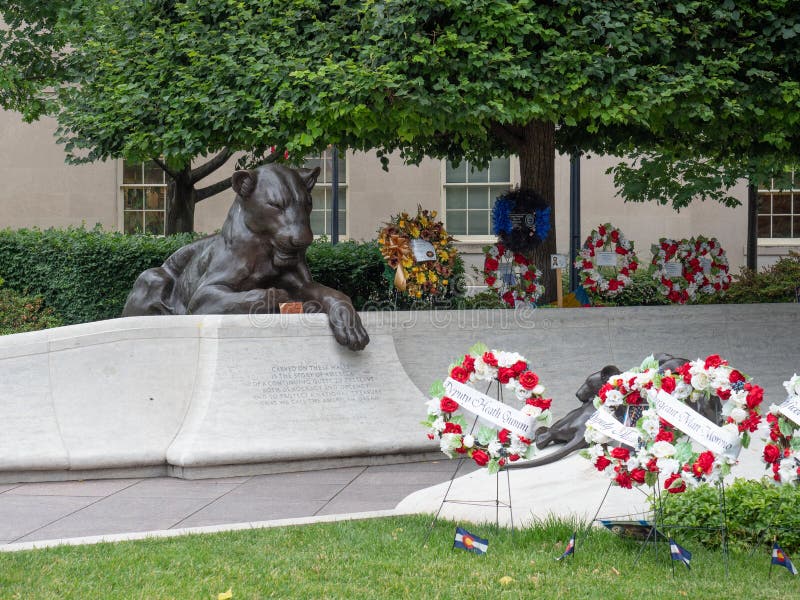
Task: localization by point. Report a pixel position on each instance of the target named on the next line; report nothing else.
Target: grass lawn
(384, 558)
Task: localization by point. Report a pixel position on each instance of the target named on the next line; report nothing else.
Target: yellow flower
(414, 231)
(444, 281)
(420, 277)
(418, 294)
(433, 214)
(401, 224)
(444, 255)
(433, 277)
(407, 262)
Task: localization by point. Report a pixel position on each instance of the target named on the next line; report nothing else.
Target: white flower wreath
(606, 280)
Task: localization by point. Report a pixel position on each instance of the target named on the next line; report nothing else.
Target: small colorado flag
(472, 543)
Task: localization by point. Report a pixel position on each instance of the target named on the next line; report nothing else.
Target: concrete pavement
(32, 512)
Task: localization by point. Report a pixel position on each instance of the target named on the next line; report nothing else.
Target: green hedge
(775, 283)
(85, 275)
(756, 511)
(20, 313)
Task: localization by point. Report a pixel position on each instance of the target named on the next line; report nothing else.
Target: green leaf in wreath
(492, 467)
(795, 443)
(786, 427)
(437, 389)
(649, 363)
(684, 452)
(650, 479)
(479, 349)
(459, 420)
(745, 439)
(724, 469)
(486, 435)
(585, 454)
(676, 484)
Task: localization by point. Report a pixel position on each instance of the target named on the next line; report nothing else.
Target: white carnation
(449, 442)
(494, 448)
(793, 385)
(700, 381)
(663, 449)
(738, 414)
(434, 406)
(538, 390)
(438, 425)
(469, 440)
(531, 411)
(613, 398)
(668, 466)
(788, 470)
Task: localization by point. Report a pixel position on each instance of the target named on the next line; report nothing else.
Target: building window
(779, 210)
(144, 194)
(470, 195)
(322, 194)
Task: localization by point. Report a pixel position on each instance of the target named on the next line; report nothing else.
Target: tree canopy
(696, 94)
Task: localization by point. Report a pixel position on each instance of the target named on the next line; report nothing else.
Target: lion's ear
(243, 183)
(309, 177)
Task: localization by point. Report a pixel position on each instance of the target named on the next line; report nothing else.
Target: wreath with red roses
(606, 280)
(690, 268)
(664, 449)
(511, 275)
(782, 450)
(488, 446)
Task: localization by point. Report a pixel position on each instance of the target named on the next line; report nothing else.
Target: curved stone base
(215, 395)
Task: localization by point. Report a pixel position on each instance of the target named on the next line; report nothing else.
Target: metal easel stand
(497, 503)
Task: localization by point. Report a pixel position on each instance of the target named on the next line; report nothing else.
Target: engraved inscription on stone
(312, 384)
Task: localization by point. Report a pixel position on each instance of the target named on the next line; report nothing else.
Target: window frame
(513, 173)
(344, 183)
(793, 214)
(121, 187)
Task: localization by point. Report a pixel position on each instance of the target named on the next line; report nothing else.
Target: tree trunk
(537, 172)
(181, 198)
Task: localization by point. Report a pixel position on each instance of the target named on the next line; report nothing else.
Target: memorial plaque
(673, 269)
(705, 264)
(523, 221)
(423, 251)
(269, 399)
(790, 409)
(606, 259)
(506, 274)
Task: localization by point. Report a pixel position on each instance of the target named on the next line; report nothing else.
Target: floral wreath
(598, 279)
(526, 288)
(488, 447)
(664, 449)
(521, 219)
(703, 263)
(782, 450)
(418, 278)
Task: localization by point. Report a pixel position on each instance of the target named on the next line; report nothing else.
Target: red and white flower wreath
(526, 288)
(606, 238)
(782, 450)
(664, 449)
(703, 263)
(488, 447)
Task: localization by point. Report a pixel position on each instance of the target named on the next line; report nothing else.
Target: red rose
(633, 266)
(621, 250)
(504, 374)
(528, 275)
(451, 427)
(490, 264)
(602, 230)
(601, 463)
(448, 405)
(684, 371)
(624, 271)
(501, 249)
(508, 298)
(520, 260)
(513, 457)
(714, 361)
(623, 480)
(668, 384)
(468, 364)
(607, 387)
(459, 374)
(678, 488)
(723, 394)
(771, 453)
(519, 366)
(462, 450)
(529, 380)
(706, 461)
(587, 264)
(490, 281)
(490, 359)
(504, 436)
(599, 243)
(613, 285)
(664, 435)
(652, 465)
(620, 453)
(543, 403)
(735, 376)
(755, 395)
(480, 457)
(638, 475)
(615, 236)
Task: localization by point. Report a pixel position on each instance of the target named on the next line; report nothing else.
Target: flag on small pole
(471, 543)
(679, 553)
(779, 558)
(570, 550)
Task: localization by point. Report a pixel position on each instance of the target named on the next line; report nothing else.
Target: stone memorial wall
(199, 396)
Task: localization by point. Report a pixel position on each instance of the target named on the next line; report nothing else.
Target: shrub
(756, 511)
(354, 268)
(20, 313)
(84, 275)
(775, 283)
